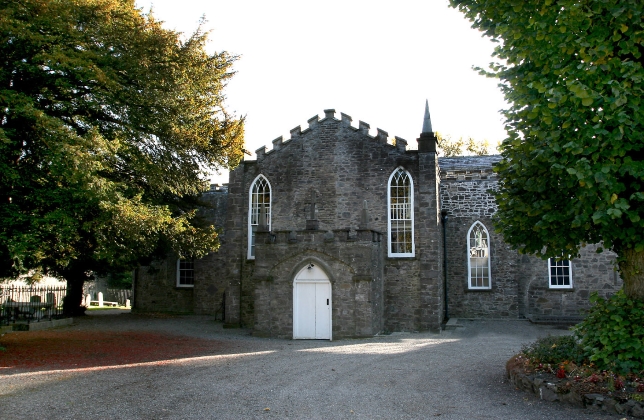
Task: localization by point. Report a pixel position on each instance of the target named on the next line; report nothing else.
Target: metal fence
(30, 303)
(119, 295)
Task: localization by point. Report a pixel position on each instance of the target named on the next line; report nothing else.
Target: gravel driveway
(458, 374)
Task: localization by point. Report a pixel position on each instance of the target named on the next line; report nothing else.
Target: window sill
(397, 258)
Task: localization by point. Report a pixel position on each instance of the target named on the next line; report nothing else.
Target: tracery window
(400, 197)
(259, 203)
(559, 274)
(478, 248)
(185, 273)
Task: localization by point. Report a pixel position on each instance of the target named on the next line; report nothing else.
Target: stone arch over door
(312, 302)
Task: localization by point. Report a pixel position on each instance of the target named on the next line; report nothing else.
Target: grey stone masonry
(344, 167)
(155, 289)
(329, 206)
(520, 283)
(354, 265)
(156, 285)
(591, 272)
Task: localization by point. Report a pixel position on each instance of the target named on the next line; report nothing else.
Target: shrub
(612, 335)
(554, 350)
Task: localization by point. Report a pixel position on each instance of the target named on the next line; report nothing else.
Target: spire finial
(427, 122)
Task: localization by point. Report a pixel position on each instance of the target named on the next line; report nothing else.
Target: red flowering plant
(561, 360)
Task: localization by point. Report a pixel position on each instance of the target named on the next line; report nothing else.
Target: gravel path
(458, 374)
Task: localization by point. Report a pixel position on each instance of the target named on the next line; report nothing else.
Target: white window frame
(553, 263)
(478, 248)
(251, 220)
(408, 210)
(180, 270)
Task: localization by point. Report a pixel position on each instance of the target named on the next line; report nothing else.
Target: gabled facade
(337, 233)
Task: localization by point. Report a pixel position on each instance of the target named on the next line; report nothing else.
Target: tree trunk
(74, 297)
(631, 268)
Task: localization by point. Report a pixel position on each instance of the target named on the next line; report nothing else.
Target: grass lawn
(99, 308)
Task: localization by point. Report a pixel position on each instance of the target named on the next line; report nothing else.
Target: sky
(376, 61)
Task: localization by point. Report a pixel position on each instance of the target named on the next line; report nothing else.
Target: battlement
(468, 168)
(345, 120)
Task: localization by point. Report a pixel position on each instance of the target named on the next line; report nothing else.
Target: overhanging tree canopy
(573, 163)
(108, 124)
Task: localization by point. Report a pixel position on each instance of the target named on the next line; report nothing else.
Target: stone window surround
(391, 254)
(250, 254)
(568, 286)
(469, 259)
(181, 270)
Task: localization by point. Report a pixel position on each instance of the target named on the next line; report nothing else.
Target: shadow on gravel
(113, 341)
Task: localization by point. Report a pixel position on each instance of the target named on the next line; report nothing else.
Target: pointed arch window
(259, 203)
(400, 199)
(478, 248)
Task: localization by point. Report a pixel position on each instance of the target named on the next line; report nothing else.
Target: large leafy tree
(573, 163)
(108, 123)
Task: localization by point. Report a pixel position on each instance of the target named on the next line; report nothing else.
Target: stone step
(452, 324)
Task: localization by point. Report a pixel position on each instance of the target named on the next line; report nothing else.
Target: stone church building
(337, 233)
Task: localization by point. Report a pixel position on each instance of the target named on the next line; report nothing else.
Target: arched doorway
(312, 304)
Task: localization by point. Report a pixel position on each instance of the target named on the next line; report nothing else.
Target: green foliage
(120, 280)
(573, 163)
(108, 124)
(449, 147)
(612, 335)
(480, 148)
(554, 350)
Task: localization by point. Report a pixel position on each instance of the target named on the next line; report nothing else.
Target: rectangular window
(560, 274)
(185, 273)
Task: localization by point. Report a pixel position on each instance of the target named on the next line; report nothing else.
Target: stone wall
(520, 285)
(343, 166)
(330, 169)
(465, 185)
(155, 289)
(210, 283)
(352, 261)
(591, 272)
(156, 285)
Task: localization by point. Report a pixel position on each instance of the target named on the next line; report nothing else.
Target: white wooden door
(312, 305)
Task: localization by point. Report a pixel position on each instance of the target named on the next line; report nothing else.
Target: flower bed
(579, 385)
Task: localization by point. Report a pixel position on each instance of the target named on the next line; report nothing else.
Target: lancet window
(259, 204)
(401, 214)
(478, 248)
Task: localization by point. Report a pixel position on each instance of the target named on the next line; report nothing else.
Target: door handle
(327, 302)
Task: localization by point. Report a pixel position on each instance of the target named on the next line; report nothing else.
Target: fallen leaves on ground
(82, 349)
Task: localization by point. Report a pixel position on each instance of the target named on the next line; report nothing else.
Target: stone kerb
(555, 391)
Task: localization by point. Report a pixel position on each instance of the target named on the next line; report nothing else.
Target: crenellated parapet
(381, 137)
(467, 168)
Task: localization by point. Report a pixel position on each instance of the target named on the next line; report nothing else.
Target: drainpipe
(241, 242)
(444, 220)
